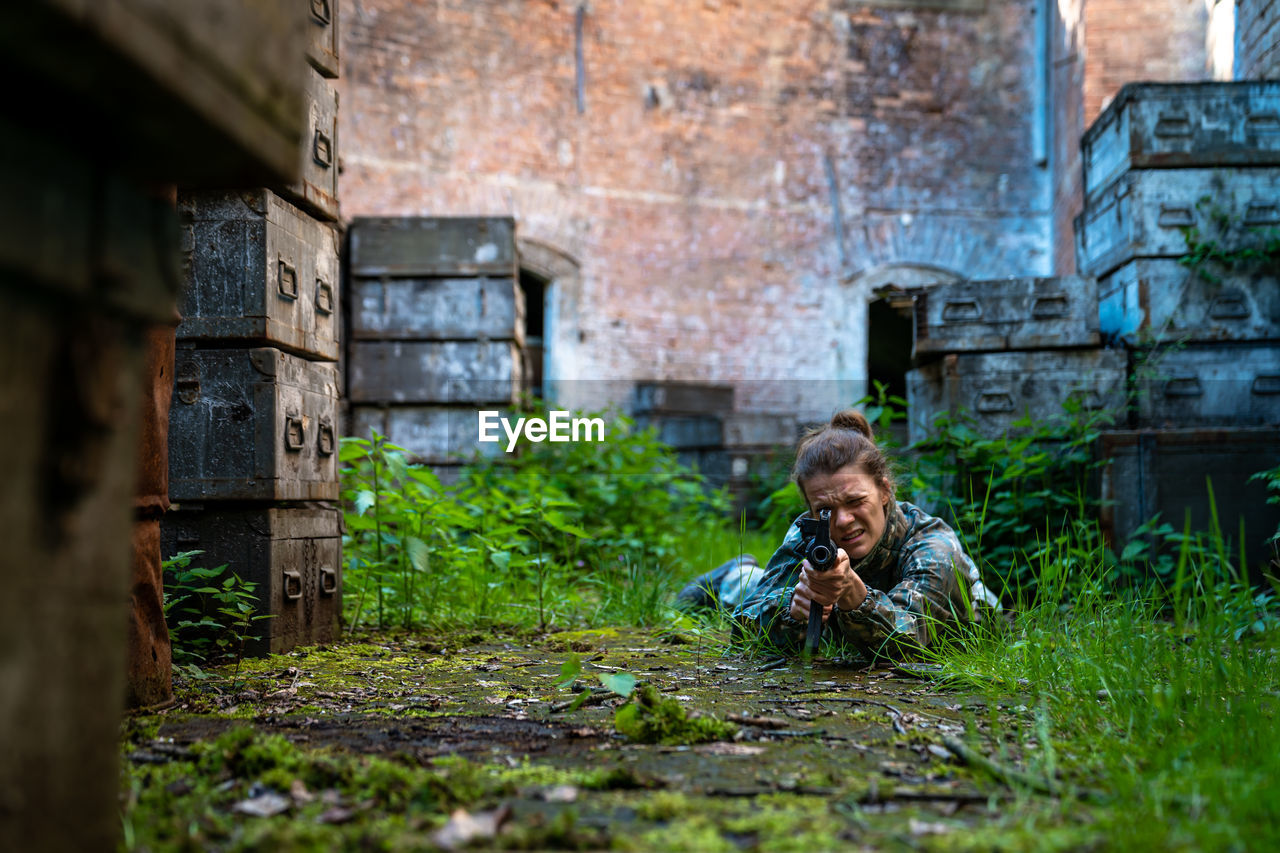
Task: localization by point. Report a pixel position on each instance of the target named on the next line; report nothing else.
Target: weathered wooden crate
(1169, 472)
(293, 554)
(997, 389)
(437, 309)
(410, 246)
(761, 430)
(1208, 384)
(682, 398)
(434, 435)
(316, 191)
(1160, 299)
(1146, 213)
(686, 432)
(1005, 314)
(259, 272)
(322, 49)
(434, 372)
(1182, 125)
(252, 424)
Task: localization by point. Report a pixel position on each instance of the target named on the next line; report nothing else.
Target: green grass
(1159, 709)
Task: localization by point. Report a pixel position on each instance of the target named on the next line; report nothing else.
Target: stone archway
(862, 290)
(561, 279)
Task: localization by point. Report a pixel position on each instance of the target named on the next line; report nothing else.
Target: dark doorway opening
(889, 332)
(535, 319)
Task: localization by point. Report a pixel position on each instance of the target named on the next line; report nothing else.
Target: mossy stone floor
(411, 742)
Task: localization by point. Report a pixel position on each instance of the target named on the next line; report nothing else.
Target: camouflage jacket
(920, 583)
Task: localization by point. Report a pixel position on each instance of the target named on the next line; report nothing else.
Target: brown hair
(846, 440)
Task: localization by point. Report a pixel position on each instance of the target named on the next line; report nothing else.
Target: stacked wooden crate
(690, 417)
(1009, 353)
(436, 321)
(253, 425)
(1172, 172)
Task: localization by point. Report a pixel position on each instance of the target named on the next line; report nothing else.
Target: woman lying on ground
(900, 579)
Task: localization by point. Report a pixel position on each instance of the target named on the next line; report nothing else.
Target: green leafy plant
(648, 717)
(210, 614)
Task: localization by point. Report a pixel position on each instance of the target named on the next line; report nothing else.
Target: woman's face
(857, 505)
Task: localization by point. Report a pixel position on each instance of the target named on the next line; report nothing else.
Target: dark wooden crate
(259, 272)
(1208, 384)
(293, 554)
(415, 246)
(997, 389)
(316, 191)
(252, 424)
(421, 372)
(1182, 125)
(322, 49)
(1005, 314)
(437, 309)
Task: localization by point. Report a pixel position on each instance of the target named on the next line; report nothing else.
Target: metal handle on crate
(324, 296)
(1175, 217)
(1183, 386)
(288, 279)
(294, 432)
(320, 11)
(322, 149)
(292, 585)
(1049, 307)
(325, 439)
(1262, 213)
(995, 402)
(961, 309)
(188, 384)
(1266, 384)
(1170, 124)
(1229, 306)
(328, 580)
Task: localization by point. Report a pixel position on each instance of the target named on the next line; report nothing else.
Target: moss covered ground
(417, 743)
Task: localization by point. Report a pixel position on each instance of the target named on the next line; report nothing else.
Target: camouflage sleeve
(932, 596)
(766, 611)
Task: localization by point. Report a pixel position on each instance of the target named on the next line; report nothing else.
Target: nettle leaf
(364, 499)
(621, 683)
(569, 670)
(419, 553)
(501, 559)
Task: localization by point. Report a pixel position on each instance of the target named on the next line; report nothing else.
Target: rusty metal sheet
(1160, 299)
(322, 23)
(433, 435)
(1146, 213)
(293, 554)
(252, 424)
(316, 191)
(149, 674)
(997, 389)
(1220, 384)
(1165, 471)
(1182, 125)
(437, 309)
(433, 246)
(259, 272)
(1005, 314)
(682, 398)
(434, 372)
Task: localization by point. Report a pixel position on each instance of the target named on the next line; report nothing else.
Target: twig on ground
(1011, 776)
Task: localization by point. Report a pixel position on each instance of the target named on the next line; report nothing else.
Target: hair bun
(852, 420)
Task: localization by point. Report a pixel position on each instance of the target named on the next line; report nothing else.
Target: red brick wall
(693, 190)
(1098, 46)
(1257, 39)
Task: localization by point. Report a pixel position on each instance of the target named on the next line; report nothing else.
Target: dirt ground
(824, 755)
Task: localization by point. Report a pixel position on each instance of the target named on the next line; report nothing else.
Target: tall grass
(1165, 703)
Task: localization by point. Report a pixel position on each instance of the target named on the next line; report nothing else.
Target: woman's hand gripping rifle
(820, 552)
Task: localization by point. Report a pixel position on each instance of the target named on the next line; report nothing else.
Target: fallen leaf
(300, 793)
(721, 748)
(266, 805)
(464, 828)
(922, 827)
(560, 794)
(337, 814)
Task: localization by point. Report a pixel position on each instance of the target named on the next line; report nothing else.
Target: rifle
(820, 551)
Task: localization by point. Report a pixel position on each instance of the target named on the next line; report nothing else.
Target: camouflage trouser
(724, 587)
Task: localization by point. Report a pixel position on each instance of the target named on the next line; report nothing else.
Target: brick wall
(1096, 47)
(694, 191)
(1257, 39)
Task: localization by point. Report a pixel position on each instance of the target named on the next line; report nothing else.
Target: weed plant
(210, 613)
(1161, 704)
(562, 533)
